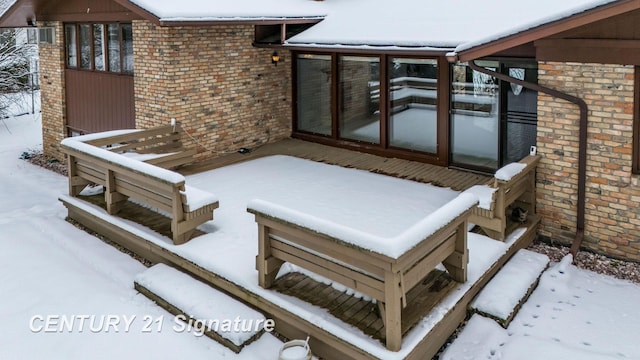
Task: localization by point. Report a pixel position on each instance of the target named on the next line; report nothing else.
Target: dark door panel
(99, 101)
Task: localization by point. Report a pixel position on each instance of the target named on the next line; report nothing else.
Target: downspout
(582, 142)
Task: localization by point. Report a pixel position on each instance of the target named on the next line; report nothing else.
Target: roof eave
(369, 49)
(241, 21)
(545, 30)
(143, 13)
(17, 14)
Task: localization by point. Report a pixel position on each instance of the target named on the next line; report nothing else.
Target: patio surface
(423, 334)
(405, 169)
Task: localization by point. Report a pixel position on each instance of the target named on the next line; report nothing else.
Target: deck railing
(514, 186)
(124, 164)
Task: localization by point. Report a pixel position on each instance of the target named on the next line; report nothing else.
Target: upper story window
(99, 47)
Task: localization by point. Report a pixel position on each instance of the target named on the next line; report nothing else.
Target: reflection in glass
(72, 46)
(474, 117)
(98, 47)
(413, 95)
(521, 115)
(114, 47)
(127, 48)
(314, 93)
(360, 98)
(85, 46)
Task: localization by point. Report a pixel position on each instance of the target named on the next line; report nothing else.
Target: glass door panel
(521, 115)
(314, 94)
(413, 111)
(474, 117)
(359, 90)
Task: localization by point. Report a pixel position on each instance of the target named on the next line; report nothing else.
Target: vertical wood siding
(99, 101)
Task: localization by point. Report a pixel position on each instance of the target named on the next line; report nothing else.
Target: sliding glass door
(413, 94)
(313, 90)
(492, 122)
(359, 93)
(475, 126)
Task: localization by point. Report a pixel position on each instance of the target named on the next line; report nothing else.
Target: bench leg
(179, 239)
(456, 263)
(114, 200)
(392, 310)
(267, 265)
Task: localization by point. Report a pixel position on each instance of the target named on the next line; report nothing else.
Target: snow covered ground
(51, 272)
(50, 268)
(572, 314)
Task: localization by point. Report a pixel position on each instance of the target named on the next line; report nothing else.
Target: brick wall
(52, 60)
(612, 192)
(226, 93)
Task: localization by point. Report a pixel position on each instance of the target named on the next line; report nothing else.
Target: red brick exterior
(226, 93)
(52, 60)
(612, 191)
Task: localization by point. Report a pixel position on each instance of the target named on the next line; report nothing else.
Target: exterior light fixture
(275, 58)
(31, 22)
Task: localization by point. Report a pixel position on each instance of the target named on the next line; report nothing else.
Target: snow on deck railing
(392, 247)
(508, 171)
(164, 175)
(105, 134)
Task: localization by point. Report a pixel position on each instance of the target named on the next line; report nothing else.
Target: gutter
(582, 142)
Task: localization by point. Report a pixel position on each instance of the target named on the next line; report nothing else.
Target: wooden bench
(377, 274)
(124, 177)
(519, 189)
(160, 146)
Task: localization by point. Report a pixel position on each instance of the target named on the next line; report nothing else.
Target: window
(32, 36)
(85, 46)
(72, 47)
(413, 88)
(359, 98)
(474, 117)
(313, 89)
(46, 35)
(369, 101)
(492, 122)
(114, 47)
(100, 47)
(127, 48)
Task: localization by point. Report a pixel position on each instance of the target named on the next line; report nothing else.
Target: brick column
(612, 191)
(52, 64)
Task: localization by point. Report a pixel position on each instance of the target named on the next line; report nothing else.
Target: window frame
(635, 167)
(107, 68)
(384, 147)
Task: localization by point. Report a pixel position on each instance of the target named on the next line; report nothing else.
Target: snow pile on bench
(508, 171)
(196, 198)
(505, 293)
(140, 167)
(392, 247)
(200, 302)
(485, 194)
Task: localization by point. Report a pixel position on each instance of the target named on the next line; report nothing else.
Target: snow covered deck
(224, 255)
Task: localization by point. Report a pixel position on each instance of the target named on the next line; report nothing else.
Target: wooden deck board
(325, 344)
(363, 314)
(412, 170)
(359, 313)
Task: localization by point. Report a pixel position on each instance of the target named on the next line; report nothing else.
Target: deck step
(503, 296)
(223, 319)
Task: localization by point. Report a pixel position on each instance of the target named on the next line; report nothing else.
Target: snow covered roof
(454, 25)
(382, 24)
(236, 10)
(5, 5)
